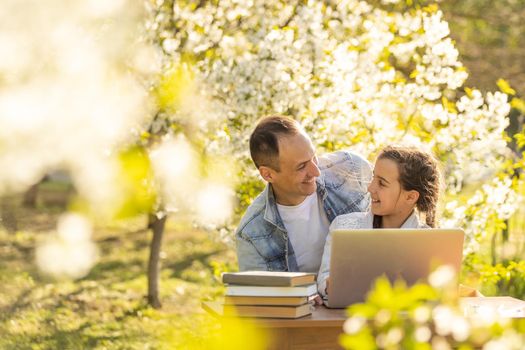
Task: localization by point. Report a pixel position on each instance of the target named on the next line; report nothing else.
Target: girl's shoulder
(357, 220)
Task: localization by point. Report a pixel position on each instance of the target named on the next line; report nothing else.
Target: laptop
(358, 257)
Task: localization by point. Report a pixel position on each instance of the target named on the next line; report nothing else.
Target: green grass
(107, 308)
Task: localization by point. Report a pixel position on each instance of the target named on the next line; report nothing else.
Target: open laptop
(358, 257)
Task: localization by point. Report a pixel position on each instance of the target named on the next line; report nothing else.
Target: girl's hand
(317, 300)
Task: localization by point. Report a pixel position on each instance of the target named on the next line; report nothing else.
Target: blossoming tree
(357, 74)
(81, 93)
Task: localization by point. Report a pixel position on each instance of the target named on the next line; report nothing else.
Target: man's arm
(248, 257)
(365, 170)
(362, 172)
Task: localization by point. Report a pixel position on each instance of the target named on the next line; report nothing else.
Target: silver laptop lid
(358, 257)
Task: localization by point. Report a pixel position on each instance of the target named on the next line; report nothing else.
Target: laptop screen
(359, 257)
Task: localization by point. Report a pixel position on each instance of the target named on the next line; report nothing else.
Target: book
(269, 278)
(265, 291)
(267, 311)
(249, 300)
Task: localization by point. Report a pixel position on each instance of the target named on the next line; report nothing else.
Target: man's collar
(271, 214)
(321, 188)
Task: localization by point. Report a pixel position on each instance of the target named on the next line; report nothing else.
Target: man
(285, 227)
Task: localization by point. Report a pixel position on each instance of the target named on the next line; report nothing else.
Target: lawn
(107, 309)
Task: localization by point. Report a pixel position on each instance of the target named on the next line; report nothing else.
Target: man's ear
(266, 173)
(412, 196)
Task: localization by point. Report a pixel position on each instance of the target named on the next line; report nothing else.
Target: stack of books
(269, 294)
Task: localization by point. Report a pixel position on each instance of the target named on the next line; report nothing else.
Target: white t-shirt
(307, 227)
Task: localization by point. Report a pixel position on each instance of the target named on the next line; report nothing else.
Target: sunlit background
(124, 132)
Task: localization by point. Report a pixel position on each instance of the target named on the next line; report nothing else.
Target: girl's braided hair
(418, 171)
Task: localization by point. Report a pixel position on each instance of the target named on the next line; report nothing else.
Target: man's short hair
(264, 141)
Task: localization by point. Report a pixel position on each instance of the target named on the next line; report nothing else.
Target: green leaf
(136, 182)
(505, 87)
(520, 139)
(174, 86)
(363, 340)
(449, 105)
(518, 103)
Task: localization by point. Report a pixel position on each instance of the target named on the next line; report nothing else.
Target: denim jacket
(262, 240)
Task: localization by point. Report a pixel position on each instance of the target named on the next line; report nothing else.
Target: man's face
(298, 170)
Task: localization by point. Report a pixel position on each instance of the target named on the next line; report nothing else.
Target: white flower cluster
(478, 127)
(70, 252)
(356, 76)
(67, 95)
(494, 202)
(175, 165)
(67, 101)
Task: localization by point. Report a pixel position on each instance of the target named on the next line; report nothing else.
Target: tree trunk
(156, 225)
(30, 196)
(7, 214)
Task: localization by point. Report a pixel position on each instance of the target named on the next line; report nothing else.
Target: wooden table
(321, 329)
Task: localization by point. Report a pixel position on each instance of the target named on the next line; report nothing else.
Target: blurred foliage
(520, 138)
(173, 87)
(490, 36)
(403, 5)
(496, 266)
(106, 309)
(137, 182)
(247, 191)
(233, 333)
(504, 278)
(424, 317)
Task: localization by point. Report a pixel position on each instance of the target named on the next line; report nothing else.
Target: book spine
(270, 282)
(271, 291)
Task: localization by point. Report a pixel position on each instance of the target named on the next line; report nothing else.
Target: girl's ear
(412, 197)
(266, 173)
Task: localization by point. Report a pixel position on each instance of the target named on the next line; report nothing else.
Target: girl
(405, 185)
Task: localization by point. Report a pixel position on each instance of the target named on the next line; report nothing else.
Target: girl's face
(388, 197)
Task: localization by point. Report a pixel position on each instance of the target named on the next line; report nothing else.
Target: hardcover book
(265, 291)
(267, 311)
(248, 300)
(269, 278)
